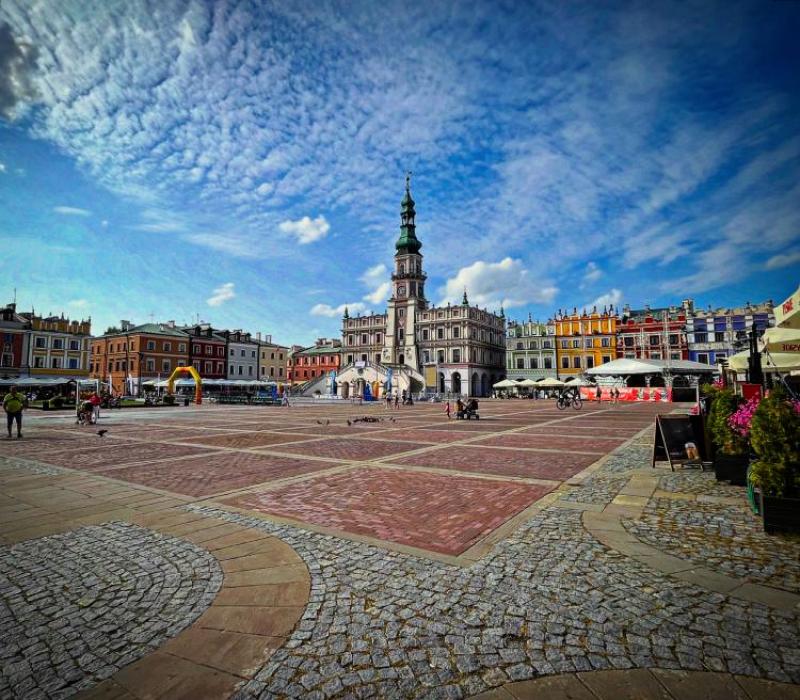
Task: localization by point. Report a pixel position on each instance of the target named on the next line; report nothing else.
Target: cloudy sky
(243, 162)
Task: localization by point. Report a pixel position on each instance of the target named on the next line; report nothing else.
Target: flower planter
(780, 514)
(731, 468)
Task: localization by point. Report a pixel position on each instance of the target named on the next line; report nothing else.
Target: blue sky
(244, 162)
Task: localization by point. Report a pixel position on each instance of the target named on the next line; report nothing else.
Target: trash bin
(185, 400)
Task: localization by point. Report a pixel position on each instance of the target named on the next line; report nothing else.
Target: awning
(770, 362)
(787, 315)
(780, 340)
(45, 381)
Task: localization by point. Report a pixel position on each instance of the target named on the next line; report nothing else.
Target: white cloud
(592, 272)
(376, 278)
(505, 283)
(306, 230)
(221, 294)
(78, 303)
(104, 223)
(783, 260)
(2, 167)
(337, 311)
(72, 211)
(380, 293)
(613, 296)
(230, 245)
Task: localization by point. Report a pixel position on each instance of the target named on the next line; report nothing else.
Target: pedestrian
(447, 410)
(95, 400)
(13, 405)
(285, 399)
(616, 394)
(599, 395)
(397, 401)
(388, 400)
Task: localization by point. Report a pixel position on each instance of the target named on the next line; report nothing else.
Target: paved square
(349, 449)
(114, 454)
(430, 511)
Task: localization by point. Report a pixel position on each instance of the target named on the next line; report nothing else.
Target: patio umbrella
(772, 362)
(579, 381)
(780, 340)
(505, 384)
(787, 315)
(528, 383)
(549, 381)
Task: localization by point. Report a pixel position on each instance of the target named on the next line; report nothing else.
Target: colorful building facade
(305, 364)
(713, 335)
(585, 340)
(531, 350)
(207, 351)
(133, 355)
(654, 334)
(14, 335)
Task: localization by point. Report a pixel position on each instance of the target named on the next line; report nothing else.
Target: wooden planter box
(731, 468)
(780, 514)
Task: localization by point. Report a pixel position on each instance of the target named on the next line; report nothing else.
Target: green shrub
(727, 441)
(775, 437)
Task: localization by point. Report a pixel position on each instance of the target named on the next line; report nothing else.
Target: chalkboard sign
(673, 432)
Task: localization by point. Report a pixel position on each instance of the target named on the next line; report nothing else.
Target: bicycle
(566, 400)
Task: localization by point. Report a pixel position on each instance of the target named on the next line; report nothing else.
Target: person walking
(599, 394)
(95, 400)
(13, 405)
(397, 401)
(447, 410)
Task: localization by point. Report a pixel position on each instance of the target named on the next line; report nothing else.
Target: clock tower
(408, 290)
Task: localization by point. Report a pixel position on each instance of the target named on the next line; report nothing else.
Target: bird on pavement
(348, 422)
(101, 433)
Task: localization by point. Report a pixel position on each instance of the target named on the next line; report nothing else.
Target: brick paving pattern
(501, 462)
(430, 511)
(225, 471)
(354, 449)
(244, 440)
(75, 608)
(551, 442)
(115, 454)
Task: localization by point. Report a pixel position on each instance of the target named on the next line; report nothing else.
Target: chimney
(268, 337)
(258, 336)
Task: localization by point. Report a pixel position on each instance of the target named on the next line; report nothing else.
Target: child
(447, 410)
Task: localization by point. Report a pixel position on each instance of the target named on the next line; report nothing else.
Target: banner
(656, 393)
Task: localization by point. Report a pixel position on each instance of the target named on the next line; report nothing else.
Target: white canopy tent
(626, 367)
(578, 381)
(770, 362)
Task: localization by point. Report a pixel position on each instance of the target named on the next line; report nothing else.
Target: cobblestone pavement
(75, 608)
(726, 537)
(699, 483)
(548, 599)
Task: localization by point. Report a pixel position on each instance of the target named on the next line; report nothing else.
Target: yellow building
(585, 340)
(58, 346)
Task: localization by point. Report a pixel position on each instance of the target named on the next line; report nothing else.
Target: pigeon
(101, 433)
(348, 422)
(319, 422)
(327, 421)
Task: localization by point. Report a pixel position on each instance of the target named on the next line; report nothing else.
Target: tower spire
(464, 301)
(408, 242)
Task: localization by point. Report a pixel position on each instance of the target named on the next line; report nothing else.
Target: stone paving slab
(348, 449)
(102, 458)
(551, 442)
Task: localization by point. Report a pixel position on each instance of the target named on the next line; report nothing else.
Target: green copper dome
(408, 242)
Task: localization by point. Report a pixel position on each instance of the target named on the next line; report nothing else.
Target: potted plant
(775, 436)
(731, 450)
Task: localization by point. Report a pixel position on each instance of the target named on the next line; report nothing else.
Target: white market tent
(626, 367)
(45, 381)
(578, 381)
(527, 383)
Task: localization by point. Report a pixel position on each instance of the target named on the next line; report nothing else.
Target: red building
(14, 337)
(305, 364)
(207, 351)
(655, 334)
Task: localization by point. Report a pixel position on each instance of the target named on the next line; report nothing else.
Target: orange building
(305, 364)
(132, 355)
(585, 340)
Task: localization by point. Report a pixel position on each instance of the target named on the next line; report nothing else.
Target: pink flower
(740, 420)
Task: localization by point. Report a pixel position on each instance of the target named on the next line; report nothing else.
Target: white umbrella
(549, 381)
(505, 384)
(787, 315)
(781, 340)
(774, 361)
(579, 381)
(527, 383)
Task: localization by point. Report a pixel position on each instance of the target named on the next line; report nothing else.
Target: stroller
(86, 414)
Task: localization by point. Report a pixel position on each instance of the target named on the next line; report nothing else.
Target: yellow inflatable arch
(198, 383)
